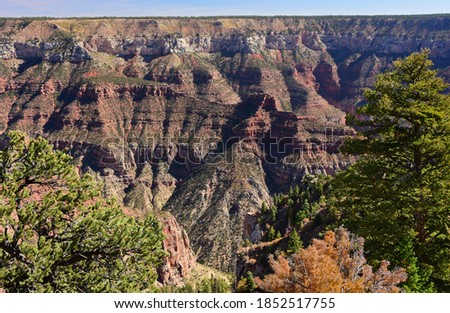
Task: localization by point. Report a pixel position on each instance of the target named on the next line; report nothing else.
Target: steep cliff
(202, 117)
(180, 257)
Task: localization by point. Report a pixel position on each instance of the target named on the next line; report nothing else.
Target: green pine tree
(58, 233)
(264, 208)
(271, 234)
(294, 243)
(250, 282)
(397, 194)
(273, 213)
(278, 235)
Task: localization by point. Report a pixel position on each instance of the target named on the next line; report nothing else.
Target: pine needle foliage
(57, 234)
(397, 194)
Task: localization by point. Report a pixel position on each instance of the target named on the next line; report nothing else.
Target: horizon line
(224, 16)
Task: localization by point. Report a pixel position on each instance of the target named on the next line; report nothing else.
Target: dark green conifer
(397, 194)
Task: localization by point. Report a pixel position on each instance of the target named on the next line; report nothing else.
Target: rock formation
(180, 258)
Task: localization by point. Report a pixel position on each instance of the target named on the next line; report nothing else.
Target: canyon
(202, 120)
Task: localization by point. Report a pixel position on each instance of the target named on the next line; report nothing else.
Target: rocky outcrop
(294, 145)
(54, 44)
(49, 51)
(180, 259)
(6, 49)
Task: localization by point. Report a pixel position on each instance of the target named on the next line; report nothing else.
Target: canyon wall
(204, 118)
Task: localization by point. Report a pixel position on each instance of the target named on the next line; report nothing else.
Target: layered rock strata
(205, 118)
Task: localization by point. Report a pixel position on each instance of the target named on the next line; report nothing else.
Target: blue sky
(64, 8)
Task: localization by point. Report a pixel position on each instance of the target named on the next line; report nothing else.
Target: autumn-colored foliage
(334, 264)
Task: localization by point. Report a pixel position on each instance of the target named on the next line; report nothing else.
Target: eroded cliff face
(180, 257)
(204, 118)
